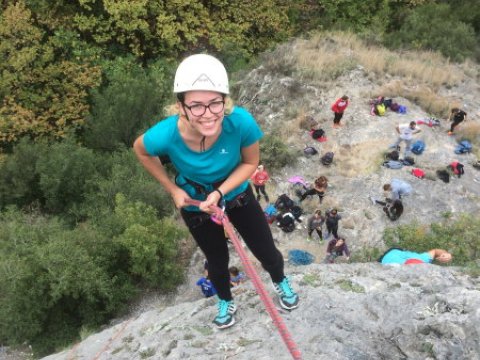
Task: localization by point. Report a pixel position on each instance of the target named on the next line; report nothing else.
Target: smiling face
(211, 103)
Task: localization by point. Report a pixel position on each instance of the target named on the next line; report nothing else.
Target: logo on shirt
(223, 151)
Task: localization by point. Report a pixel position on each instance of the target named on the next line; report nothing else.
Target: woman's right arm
(154, 166)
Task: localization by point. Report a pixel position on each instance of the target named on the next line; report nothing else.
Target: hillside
(349, 311)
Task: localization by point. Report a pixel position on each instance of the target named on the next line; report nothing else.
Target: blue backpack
(402, 109)
(463, 147)
(393, 164)
(418, 147)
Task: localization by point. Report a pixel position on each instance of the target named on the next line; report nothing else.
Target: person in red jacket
(338, 108)
(259, 178)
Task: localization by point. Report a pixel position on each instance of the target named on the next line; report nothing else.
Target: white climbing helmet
(201, 72)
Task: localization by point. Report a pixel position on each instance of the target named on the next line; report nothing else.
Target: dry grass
(328, 55)
(360, 159)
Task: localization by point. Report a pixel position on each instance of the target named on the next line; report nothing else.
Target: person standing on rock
(331, 219)
(406, 132)
(259, 179)
(456, 117)
(214, 146)
(338, 109)
(315, 223)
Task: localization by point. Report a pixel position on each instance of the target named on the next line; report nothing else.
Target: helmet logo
(203, 78)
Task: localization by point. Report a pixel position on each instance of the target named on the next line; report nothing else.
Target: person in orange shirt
(259, 178)
(338, 108)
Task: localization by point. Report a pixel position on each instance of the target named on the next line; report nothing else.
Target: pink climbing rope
(257, 282)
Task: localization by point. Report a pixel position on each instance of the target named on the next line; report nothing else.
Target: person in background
(393, 209)
(214, 147)
(397, 188)
(400, 256)
(236, 277)
(331, 219)
(319, 188)
(315, 222)
(338, 109)
(337, 247)
(259, 179)
(405, 132)
(206, 285)
(456, 117)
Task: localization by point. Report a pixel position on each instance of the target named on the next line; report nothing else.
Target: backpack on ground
(317, 133)
(270, 213)
(310, 151)
(419, 173)
(388, 102)
(418, 147)
(463, 147)
(284, 202)
(443, 175)
(286, 222)
(393, 164)
(392, 155)
(408, 161)
(327, 159)
(394, 210)
(457, 168)
(380, 109)
(394, 106)
(402, 109)
(297, 211)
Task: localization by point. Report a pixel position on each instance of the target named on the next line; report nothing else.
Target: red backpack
(419, 173)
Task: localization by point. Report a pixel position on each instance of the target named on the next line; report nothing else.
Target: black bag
(286, 222)
(297, 212)
(443, 175)
(284, 202)
(408, 161)
(318, 133)
(327, 159)
(310, 151)
(392, 155)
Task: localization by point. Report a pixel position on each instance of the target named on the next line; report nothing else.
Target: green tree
(131, 98)
(435, 27)
(41, 93)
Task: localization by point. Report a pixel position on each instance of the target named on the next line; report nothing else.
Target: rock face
(348, 311)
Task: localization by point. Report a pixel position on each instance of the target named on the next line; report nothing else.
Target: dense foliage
(82, 226)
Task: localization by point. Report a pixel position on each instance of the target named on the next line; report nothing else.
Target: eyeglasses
(215, 107)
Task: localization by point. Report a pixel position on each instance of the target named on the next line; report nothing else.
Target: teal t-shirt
(397, 256)
(239, 130)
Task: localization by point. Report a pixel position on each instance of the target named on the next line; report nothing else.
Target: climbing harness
(257, 282)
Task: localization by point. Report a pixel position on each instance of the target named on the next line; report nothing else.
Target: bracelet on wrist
(220, 192)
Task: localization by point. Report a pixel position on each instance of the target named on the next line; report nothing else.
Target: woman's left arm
(243, 172)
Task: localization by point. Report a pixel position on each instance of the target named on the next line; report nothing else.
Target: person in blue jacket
(214, 146)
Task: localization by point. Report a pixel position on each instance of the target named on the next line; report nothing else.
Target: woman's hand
(179, 197)
(212, 199)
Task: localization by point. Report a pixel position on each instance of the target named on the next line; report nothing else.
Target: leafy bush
(458, 236)
(130, 99)
(435, 27)
(274, 153)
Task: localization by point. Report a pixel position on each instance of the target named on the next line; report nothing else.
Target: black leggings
(319, 232)
(333, 228)
(252, 225)
(261, 188)
(454, 124)
(313, 191)
(337, 118)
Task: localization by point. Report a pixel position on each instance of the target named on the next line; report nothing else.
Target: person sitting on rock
(319, 188)
(206, 285)
(336, 248)
(236, 277)
(397, 189)
(392, 208)
(400, 256)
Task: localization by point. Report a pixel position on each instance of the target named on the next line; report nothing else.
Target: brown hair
(321, 181)
(387, 187)
(344, 97)
(234, 270)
